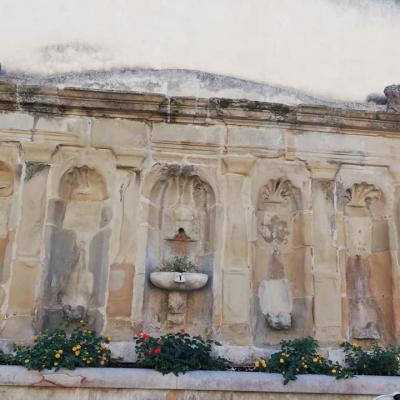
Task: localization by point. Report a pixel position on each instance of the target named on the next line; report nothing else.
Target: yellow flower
(55, 364)
(101, 362)
(78, 346)
(315, 359)
(281, 360)
(26, 361)
(264, 363)
(109, 338)
(305, 366)
(104, 346)
(77, 353)
(60, 351)
(82, 321)
(333, 371)
(74, 348)
(57, 355)
(257, 364)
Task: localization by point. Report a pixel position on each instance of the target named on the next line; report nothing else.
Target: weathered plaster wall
(341, 49)
(292, 212)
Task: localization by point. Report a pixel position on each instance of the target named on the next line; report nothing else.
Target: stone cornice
(190, 110)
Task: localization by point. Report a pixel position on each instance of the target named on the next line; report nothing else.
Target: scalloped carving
(83, 183)
(277, 191)
(362, 195)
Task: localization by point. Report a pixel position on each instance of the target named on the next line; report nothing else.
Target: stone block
(83, 216)
(24, 281)
(16, 121)
(213, 135)
(236, 297)
(120, 290)
(110, 133)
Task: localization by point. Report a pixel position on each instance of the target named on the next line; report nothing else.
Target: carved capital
(323, 170)
(240, 165)
(38, 152)
(128, 158)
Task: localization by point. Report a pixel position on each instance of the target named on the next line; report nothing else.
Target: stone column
(327, 288)
(236, 275)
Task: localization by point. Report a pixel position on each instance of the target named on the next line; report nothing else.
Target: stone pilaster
(236, 276)
(327, 288)
(394, 229)
(26, 263)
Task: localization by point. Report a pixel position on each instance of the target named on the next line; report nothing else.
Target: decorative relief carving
(362, 195)
(275, 231)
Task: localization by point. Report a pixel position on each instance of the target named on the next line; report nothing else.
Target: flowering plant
(177, 353)
(57, 349)
(178, 264)
(376, 361)
(300, 356)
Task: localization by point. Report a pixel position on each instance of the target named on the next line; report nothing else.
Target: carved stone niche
(363, 266)
(277, 202)
(77, 238)
(182, 224)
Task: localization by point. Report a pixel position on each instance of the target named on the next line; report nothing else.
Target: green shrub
(178, 264)
(377, 361)
(57, 349)
(300, 356)
(177, 353)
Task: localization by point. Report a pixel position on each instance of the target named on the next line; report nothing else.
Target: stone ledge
(129, 378)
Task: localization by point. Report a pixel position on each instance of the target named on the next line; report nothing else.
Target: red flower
(150, 352)
(157, 350)
(145, 336)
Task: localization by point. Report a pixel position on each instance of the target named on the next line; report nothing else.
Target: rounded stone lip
(168, 280)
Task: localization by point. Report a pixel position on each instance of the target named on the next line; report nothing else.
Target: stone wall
(292, 212)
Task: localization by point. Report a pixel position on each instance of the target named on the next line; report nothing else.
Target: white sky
(344, 49)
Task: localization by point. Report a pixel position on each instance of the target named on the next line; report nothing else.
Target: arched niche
(181, 223)
(369, 276)
(77, 240)
(281, 302)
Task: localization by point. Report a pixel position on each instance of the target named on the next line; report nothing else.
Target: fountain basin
(177, 281)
